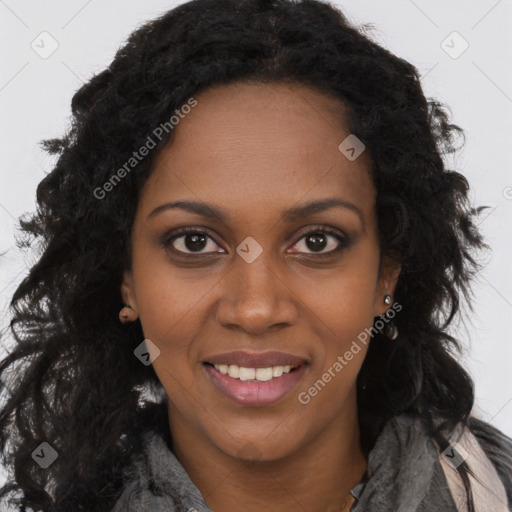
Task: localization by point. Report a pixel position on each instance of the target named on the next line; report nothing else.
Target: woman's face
(256, 282)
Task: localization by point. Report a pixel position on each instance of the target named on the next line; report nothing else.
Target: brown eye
(190, 241)
(318, 240)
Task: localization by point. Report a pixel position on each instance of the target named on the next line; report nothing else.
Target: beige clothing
(488, 491)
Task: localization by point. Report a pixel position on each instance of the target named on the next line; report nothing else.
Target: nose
(256, 297)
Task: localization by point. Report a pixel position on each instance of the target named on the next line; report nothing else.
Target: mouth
(253, 374)
(254, 386)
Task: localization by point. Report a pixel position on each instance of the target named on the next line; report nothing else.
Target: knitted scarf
(404, 474)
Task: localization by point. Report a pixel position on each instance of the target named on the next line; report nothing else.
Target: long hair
(71, 379)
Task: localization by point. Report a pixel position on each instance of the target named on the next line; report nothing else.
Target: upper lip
(256, 359)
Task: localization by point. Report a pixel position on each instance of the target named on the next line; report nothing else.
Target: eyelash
(189, 230)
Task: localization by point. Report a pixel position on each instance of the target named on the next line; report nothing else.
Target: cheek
(167, 298)
(342, 302)
(169, 323)
(336, 366)
(342, 309)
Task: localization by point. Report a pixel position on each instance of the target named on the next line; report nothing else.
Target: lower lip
(252, 393)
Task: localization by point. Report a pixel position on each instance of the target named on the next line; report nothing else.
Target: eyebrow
(292, 214)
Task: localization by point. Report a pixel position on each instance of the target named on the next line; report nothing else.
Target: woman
(252, 251)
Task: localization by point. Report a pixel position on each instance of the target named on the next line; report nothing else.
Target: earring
(127, 314)
(391, 331)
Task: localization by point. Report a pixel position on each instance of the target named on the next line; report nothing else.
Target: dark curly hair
(71, 378)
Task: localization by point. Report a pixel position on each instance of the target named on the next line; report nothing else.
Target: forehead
(260, 145)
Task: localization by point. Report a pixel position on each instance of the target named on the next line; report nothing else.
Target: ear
(389, 273)
(128, 290)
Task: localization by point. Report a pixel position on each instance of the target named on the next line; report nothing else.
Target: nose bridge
(255, 297)
(256, 279)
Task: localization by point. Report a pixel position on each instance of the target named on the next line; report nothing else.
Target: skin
(255, 150)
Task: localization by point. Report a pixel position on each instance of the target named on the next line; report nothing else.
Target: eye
(317, 240)
(188, 239)
(191, 241)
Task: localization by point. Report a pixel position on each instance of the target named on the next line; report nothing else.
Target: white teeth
(233, 371)
(264, 374)
(246, 373)
(277, 371)
(260, 374)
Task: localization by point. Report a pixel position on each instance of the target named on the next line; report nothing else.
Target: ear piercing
(391, 330)
(127, 314)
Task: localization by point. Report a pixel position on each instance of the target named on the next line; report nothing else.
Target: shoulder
(488, 454)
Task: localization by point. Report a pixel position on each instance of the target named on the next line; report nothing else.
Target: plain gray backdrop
(461, 48)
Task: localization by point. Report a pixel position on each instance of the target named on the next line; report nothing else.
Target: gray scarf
(403, 475)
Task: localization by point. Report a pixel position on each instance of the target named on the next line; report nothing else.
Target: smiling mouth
(253, 374)
(255, 387)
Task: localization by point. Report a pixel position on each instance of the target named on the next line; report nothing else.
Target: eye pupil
(319, 241)
(193, 240)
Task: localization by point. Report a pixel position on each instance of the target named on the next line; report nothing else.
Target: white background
(35, 97)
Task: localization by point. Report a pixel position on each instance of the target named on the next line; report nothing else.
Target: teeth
(277, 371)
(260, 374)
(246, 373)
(264, 374)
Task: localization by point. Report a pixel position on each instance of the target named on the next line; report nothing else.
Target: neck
(316, 477)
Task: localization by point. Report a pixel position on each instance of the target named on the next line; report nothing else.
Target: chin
(258, 448)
